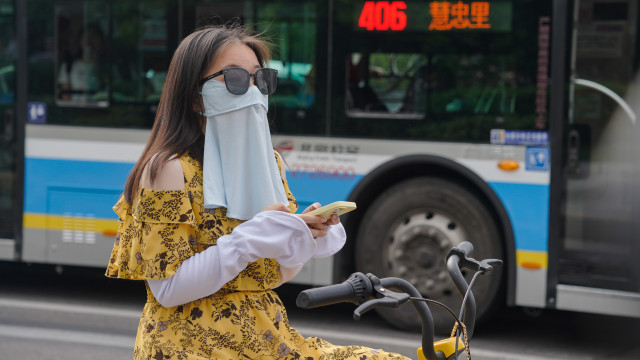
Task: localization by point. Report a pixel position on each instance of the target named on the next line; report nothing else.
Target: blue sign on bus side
(37, 112)
(537, 158)
(519, 137)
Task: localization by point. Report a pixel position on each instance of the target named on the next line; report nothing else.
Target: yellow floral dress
(243, 320)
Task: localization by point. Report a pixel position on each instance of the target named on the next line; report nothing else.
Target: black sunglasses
(237, 80)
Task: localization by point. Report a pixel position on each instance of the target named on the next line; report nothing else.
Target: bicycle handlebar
(356, 289)
(457, 258)
(466, 248)
(368, 291)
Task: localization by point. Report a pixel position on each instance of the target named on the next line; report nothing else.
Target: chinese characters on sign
(447, 15)
(543, 71)
(433, 16)
(519, 137)
(334, 148)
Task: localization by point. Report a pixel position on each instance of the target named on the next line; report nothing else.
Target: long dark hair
(178, 126)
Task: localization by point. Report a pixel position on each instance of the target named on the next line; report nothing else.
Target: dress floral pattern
(245, 319)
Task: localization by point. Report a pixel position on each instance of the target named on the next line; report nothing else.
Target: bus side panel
(528, 209)
(69, 195)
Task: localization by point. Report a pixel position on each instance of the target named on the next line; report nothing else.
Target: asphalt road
(82, 315)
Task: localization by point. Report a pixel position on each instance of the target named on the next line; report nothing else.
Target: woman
(81, 78)
(204, 220)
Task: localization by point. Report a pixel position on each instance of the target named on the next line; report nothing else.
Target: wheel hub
(418, 248)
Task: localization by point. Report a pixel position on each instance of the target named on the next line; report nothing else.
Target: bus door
(598, 266)
(8, 139)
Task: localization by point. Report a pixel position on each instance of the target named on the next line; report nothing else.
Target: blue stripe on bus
(528, 209)
(60, 187)
(526, 204)
(91, 188)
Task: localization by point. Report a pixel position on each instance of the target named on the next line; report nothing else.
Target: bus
(509, 124)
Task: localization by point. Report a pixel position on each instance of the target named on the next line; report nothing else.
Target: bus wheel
(408, 231)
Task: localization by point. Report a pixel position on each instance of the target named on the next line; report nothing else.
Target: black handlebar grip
(326, 295)
(466, 247)
(356, 289)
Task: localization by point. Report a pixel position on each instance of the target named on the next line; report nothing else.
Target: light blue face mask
(240, 171)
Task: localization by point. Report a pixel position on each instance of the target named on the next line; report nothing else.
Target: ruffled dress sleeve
(156, 234)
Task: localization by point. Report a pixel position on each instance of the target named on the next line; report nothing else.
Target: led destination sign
(434, 16)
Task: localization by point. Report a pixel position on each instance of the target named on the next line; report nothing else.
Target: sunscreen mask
(240, 172)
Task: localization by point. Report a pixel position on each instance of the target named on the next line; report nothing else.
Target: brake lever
(482, 267)
(384, 298)
(488, 264)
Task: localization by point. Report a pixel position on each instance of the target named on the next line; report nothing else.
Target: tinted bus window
(298, 106)
(433, 73)
(100, 63)
(142, 49)
(386, 84)
(7, 55)
(298, 31)
(293, 27)
(82, 69)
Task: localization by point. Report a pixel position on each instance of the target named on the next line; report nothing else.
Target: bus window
(297, 30)
(97, 63)
(82, 69)
(141, 53)
(435, 76)
(294, 27)
(472, 84)
(445, 86)
(386, 83)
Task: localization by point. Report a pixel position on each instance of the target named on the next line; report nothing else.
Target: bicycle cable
(436, 303)
(464, 329)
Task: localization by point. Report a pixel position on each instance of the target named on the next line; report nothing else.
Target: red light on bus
(383, 15)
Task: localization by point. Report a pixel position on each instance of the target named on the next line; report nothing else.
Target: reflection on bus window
(454, 88)
(472, 84)
(81, 61)
(7, 84)
(133, 69)
(296, 83)
(294, 25)
(141, 53)
(386, 84)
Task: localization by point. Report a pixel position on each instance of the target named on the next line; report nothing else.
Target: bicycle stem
(424, 312)
(470, 307)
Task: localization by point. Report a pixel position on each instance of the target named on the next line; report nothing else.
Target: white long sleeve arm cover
(327, 246)
(270, 234)
(330, 243)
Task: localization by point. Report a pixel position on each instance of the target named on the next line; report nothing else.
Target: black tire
(408, 231)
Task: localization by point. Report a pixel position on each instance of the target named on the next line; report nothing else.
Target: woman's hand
(277, 207)
(333, 220)
(318, 224)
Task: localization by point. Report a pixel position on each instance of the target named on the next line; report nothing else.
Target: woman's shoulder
(170, 175)
(166, 199)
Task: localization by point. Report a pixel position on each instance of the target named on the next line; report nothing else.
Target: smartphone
(338, 208)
